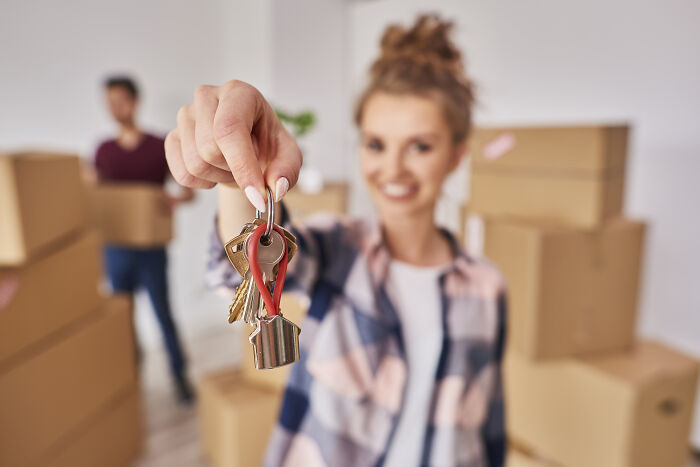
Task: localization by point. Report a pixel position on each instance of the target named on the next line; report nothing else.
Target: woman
(402, 345)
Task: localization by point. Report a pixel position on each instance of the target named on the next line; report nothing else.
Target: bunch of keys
(260, 254)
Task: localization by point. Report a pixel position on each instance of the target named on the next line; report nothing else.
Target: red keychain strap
(272, 303)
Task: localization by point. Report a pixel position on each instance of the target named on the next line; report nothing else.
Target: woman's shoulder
(478, 275)
(344, 227)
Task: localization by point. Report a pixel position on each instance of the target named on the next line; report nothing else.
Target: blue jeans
(130, 269)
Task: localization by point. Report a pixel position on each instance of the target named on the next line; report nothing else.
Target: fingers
(238, 111)
(231, 133)
(173, 154)
(205, 103)
(283, 170)
(194, 163)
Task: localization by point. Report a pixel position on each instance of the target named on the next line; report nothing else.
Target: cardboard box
(572, 175)
(276, 378)
(42, 199)
(629, 409)
(237, 418)
(112, 439)
(132, 214)
(50, 292)
(518, 458)
(62, 385)
(570, 291)
(332, 198)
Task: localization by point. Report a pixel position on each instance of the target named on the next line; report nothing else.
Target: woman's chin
(403, 207)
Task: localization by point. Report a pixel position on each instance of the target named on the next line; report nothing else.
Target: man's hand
(171, 202)
(230, 133)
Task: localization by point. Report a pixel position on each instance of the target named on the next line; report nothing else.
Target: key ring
(272, 303)
(270, 214)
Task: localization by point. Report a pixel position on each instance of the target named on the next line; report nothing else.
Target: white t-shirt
(417, 291)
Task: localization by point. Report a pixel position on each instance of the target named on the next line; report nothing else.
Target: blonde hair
(423, 60)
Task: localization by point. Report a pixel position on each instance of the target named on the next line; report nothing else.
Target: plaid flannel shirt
(343, 398)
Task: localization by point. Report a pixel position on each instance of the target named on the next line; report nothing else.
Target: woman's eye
(375, 145)
(421, 147)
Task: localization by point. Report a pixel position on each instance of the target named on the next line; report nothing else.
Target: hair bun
(428, 40)
(423, 60)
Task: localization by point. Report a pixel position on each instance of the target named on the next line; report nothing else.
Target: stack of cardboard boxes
(581, 390)
(68, 389)
(239, 407)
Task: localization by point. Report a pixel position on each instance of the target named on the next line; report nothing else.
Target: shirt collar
(378, 256)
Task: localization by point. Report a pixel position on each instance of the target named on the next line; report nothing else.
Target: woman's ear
(459, 153)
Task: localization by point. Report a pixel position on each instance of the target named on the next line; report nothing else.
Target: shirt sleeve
(493, 431)
(302, 271)
(98, 160)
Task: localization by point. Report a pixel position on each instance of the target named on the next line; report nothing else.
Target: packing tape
(8, 289)
(499, 146)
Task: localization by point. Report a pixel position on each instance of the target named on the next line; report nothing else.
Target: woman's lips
(398, 191)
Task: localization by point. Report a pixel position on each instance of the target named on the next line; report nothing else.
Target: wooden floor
(172, 431)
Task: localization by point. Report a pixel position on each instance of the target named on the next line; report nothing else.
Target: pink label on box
(499, 146)
(8, 288)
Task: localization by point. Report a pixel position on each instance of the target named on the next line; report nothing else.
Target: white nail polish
(281, 188)
(255, 198)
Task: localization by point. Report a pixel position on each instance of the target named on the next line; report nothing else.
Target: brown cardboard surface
(131, 214)
(588, 148)
(518, 458)
(60, 386)
(210, 386)
(571, 175)
(48, 293)
(112, 439)
(570, 291)
(332, 198)
(42, 199)
(630, 409)
(207, 391)
(275, 378)
(237, 418)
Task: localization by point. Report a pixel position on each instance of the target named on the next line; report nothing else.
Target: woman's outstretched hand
(231, 133)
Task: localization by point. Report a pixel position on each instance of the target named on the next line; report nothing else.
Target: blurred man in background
(137, 156)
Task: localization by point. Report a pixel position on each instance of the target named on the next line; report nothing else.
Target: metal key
(234, 251)
(235, 248)
(236, 307)
(269, 256)
(246, 298)
(247, 304)
(251, 302)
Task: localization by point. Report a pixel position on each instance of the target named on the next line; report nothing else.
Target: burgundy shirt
(145, 163)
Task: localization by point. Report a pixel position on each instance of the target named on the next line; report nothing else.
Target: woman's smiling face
(407, 151)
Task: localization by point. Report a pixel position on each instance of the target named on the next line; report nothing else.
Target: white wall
(309, 71)
(600, 60)
(55, 56)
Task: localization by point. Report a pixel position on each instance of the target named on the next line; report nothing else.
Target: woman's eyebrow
(424, 136)
(411, 137)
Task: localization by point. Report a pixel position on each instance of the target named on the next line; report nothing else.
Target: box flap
(647, 363)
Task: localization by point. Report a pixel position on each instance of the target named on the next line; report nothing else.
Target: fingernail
(255, 198)
(281, 188)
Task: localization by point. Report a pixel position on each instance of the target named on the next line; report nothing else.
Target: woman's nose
(393, 164)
